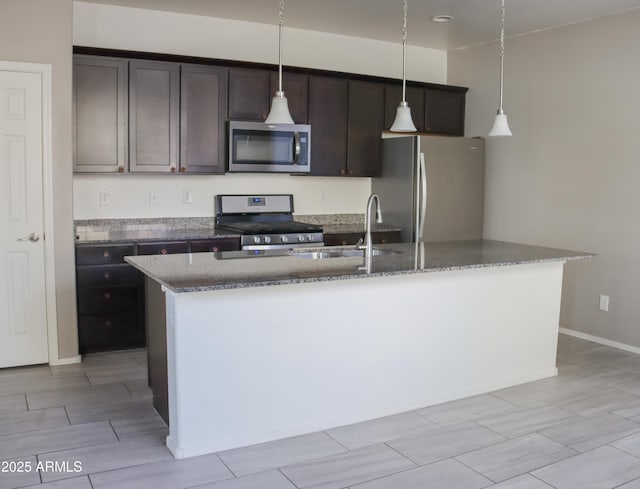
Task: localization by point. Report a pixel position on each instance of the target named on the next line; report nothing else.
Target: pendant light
(403, 121)
(500, 125)
(279, 113)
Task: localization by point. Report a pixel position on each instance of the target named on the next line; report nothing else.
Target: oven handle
(297, 148)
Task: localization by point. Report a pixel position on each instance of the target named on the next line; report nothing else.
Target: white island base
(250, 365)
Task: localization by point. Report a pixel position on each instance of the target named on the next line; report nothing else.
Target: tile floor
(575, 431)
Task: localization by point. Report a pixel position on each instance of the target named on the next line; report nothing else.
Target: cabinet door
(328, 116)
(415, 99)
(163, 248)
(366, 123)
(203, 105)
(249, 97)
(154, 100)
(296, 89)
(99, 114)
(444, 112)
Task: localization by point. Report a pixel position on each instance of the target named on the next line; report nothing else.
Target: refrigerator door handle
(423, 197)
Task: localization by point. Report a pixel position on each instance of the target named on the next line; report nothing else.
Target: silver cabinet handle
(33, 237)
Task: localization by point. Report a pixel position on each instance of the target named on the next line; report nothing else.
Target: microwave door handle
(296, 147)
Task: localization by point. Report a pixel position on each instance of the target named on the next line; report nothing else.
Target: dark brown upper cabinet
(203, 105)
(366, 123)
(415, 99)
(249, 94)
(296, 89)
(154, 101)
(444, 112)
(329, 118)
(100, 96)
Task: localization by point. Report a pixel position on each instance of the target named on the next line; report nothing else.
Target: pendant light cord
(280, 23)
(500, 110)
(404, 43)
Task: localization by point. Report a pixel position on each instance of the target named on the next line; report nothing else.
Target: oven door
(259, 147)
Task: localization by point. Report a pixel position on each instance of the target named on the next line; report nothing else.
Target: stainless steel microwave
(260, 147)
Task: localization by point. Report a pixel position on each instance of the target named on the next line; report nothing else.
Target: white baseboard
(66, 361)
(600, 340)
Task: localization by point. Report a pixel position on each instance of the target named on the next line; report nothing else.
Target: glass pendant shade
(279, 113)
(403, 121)
(500, 126)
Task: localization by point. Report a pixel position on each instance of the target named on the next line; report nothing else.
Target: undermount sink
(334, 252)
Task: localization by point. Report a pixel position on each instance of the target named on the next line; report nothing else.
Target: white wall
(569, 177)
(163, 32)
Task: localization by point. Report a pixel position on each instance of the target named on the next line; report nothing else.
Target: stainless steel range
(265, 222)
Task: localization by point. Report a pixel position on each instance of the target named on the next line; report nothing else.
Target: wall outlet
(187, 197)
(105, 197)
(153, 198)
(604, 303)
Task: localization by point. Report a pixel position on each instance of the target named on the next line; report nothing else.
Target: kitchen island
(261, 346)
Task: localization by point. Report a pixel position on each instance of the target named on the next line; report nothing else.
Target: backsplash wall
(131, 195)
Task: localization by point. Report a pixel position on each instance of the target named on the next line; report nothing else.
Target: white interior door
(23, 320)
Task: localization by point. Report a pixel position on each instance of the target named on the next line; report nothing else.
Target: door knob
(32, 237)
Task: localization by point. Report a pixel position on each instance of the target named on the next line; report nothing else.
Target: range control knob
(309, 237)
(284, 239)
(256, 239)
(300, 237)
(267, 239)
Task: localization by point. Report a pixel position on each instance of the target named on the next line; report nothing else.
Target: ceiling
(475, 21)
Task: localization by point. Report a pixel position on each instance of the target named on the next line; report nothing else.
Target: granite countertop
(238, 269)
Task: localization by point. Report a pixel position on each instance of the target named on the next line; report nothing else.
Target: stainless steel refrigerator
(432, 186)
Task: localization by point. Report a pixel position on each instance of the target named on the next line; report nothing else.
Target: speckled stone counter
(313, 348)
(141, 230)
(226, 270)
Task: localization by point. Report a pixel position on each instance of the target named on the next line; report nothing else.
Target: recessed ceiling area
(475, 21)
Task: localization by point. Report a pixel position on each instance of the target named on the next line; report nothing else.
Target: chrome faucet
(368, 242)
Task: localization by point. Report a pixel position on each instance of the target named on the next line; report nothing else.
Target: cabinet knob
(163, 251)
(350, 172)
(107, 296)
(106, 254)
(342, 171)
(214, 248)
(183, 169)
(121, 169)
(173, 169)
(107, 323)
(107, 275)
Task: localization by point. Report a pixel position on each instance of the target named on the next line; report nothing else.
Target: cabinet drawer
(100, 300)
(109, 332)
(103, 254)
(344, 239)
(164, 248)
(107, 275)
(218, 244)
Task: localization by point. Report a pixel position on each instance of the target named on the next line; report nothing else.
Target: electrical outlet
(153, 198)
(604, 303)
(105, 197)
(187, 197)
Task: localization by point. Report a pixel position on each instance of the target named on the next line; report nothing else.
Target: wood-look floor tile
(32, 421)
(13, 404)
(587, 433)
(447, 474)
(87, 394)
(109, 374)
(87, 413)
(602, 468)
(279, 453)
(262, 480)
(43, 441)
(522, 482)
(347, 469)
(465, 409)
(608, 399)
(629, 444)
(445, 442)
(36, 383)
(139, 389)
(109, 456)
(167, 474)
(75, 483)
(11, 478)
(522, 421)
(125, 428)
(515, 457)
(380, 430)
